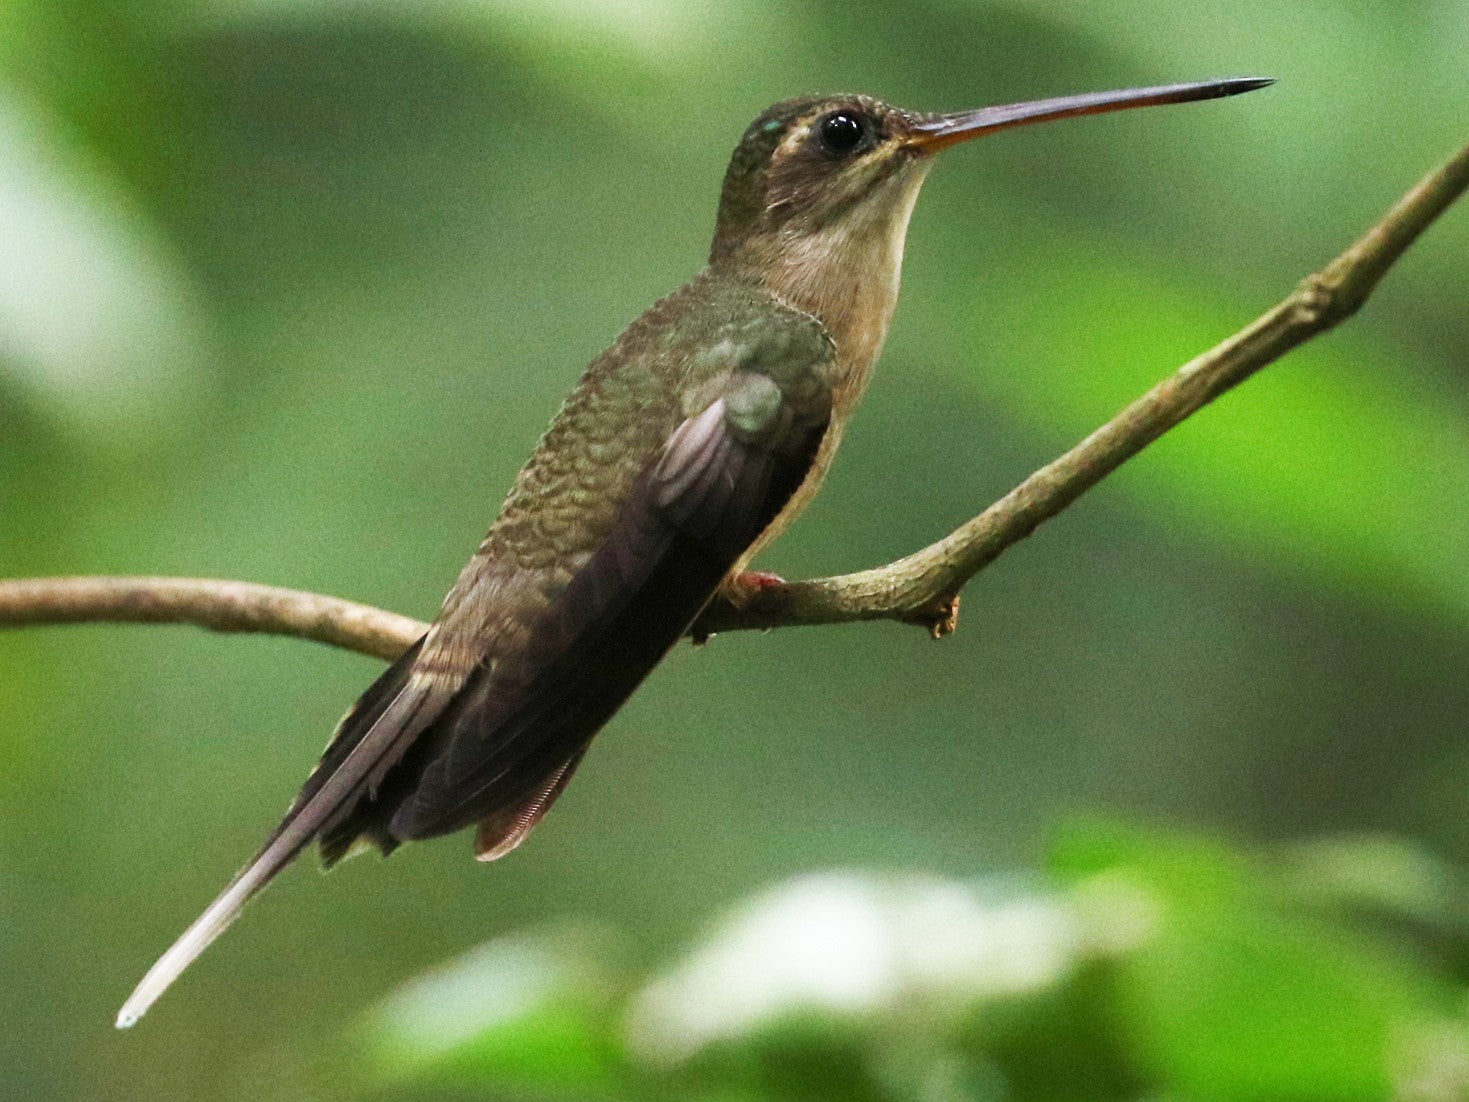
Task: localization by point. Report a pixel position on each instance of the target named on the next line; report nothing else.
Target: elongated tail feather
(388, 714)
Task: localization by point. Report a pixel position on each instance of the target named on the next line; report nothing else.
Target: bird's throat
(846, 274)
(847, 277)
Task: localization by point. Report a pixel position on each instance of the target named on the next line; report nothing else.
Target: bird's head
(815, 174)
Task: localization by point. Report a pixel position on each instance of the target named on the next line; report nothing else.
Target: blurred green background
(288, 289)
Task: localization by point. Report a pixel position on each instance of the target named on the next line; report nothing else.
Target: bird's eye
(842, 131)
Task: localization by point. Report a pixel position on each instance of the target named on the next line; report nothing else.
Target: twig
(921, 588)
(208, 603)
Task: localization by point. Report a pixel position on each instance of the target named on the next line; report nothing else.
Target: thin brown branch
(921, 588)
(208, 603)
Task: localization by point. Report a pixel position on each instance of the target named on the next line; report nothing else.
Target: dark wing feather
(685, 523)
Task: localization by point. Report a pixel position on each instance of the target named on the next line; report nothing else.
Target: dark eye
(842, 131)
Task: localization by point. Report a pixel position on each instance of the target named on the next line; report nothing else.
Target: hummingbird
(684, 449)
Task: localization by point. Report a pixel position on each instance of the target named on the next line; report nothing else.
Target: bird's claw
(742, 588)
(739, 590)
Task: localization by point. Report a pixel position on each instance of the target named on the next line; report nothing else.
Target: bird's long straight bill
(940, 131)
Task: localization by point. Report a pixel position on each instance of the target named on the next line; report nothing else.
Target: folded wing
(508, 740)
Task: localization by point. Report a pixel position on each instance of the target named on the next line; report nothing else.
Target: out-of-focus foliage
(1143, 964)
(288, 289)
(1269, 477)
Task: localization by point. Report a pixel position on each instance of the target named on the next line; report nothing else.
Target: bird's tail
(213, 922)
(369, 737)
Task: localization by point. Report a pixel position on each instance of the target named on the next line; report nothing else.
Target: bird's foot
(742, 588)
(739, 590)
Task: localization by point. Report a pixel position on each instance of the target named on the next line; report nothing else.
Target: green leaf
(99, 319)
(1233, 992)
(1383, 875)
(530, 1016)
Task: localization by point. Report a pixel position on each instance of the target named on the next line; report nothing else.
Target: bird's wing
(506, 743)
